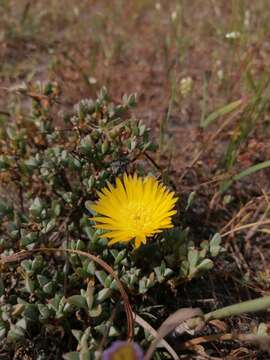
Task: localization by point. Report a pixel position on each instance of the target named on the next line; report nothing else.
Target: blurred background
(183, 58)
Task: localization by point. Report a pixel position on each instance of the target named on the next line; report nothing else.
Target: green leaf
(77, 334)
(29, 284)
(191, 198)
(102, 276)
(74, 355)
(31, 313)
(193, 257)
(56, 209)
(5, 209)
(168, 272)
(85, 355)
(162, 267)
(2, 286)
(113, 332)
(37, 263)
(215, 245)
(104, 294)
(121, 255)
(91, 268)
(49, 226)
(157, 271)
(262, 329)
(67, 196)
(96, 311)
(17, 331)
(80, 245)
(48, 288)
(44, 311)
(79, 301)
(184, 268)
(55, 302)
(36, 207)
(108, 281)
(15, 334)
(146, 283)
(205, 265)
(21, 324)
(221, 112)
(26, 265)
(2, 331)
(90, 295)
(42, 280)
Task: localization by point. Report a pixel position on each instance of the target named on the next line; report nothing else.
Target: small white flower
(174, 15)
(158, 6)
(247, 19)
(185, 86)
(92, 80)
(233, 35)
(76, 11)
(220, 74)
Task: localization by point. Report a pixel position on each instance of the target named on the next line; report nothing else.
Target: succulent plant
(51, 165)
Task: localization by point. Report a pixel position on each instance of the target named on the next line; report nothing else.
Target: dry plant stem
(243, 209)
(222, 337)
(253, 230)
(255, 305)
(105, 334)
(243, 227)
(172, 322)
(25, 253)
(140, 321)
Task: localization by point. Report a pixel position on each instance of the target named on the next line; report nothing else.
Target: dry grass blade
(24, 254)
(246, 226)
(154, 333)
(249, 206)
(261, 341)
(170, 324)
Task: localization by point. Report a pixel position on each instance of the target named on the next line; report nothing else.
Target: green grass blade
(244, 173)
(221, 112)
(251, 170)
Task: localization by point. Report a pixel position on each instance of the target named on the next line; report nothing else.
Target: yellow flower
(135, 208)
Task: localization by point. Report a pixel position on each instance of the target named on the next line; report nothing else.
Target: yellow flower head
(135, 208)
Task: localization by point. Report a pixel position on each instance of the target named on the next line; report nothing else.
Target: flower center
(139, 216)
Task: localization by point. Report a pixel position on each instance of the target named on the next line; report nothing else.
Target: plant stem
(255, 305)
(249, 306)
